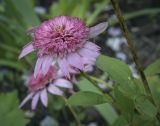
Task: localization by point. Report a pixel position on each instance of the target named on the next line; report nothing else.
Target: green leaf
(63, 8)
(125, 103)
(154, 84)
(86, 98)
(106, 110)
(145, 107)
(86, 85)
(121, 121)
(118, 70)
(27, 12)
(100, 6)
(153, 68)
(80, 11)
(132, 89)
(10, 114)
(12, 64)
(142, 120)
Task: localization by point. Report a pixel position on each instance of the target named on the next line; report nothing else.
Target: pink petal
(88, 53)
(26, 50)
(63, 83)
(35, 100)
(59, 74)
(44, 97)
(91, 46)
(90, 61)
(98, 29)
(29, 96)
(63, 64)
(54, 90)
(75, 60)
(74, 71)
(38, 66)
(47, 61)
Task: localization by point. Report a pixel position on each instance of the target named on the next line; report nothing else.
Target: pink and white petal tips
(46, 64)
(91, 46)
(63, 83)
(29, 96)
(35, 100)
(54, 90)
(64, 66)
(75, 60)
(26, 50)
(98, 29)
(88, 53)
(38, 66)
(43, 64)
(44, 97)
(40, 86)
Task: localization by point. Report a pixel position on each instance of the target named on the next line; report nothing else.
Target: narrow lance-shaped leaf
(26, 10)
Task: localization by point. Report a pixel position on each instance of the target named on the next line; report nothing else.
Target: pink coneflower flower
(42, 84)
(65, 40)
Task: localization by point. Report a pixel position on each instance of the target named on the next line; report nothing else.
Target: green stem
(131, 46)
(108, 97)
(91, 80)
(101, 81)
(73, 112)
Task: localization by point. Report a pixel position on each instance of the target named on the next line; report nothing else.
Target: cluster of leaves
(128, 94)
(125, 104)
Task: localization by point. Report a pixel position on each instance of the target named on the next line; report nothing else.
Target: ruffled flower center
(60, 36)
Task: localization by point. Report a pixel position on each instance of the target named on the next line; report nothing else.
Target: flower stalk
(131, 45)
(108, 97)
(73, 112)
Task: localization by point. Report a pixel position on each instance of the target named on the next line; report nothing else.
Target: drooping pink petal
(54, 90)
(26, 50)
(29, 96)
(44, 97)
(35, 100)
(75, 60)
(59, 74)
(88, 53)
(91, 46)
(38, 66)
(87, 60)
(47, 61)
(63, 64)
(63, 83)
(98, 29)
(73, 70)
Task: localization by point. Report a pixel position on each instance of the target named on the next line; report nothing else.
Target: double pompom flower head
(63, 50)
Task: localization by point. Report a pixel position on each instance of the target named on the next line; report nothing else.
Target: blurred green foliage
(10, 114)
